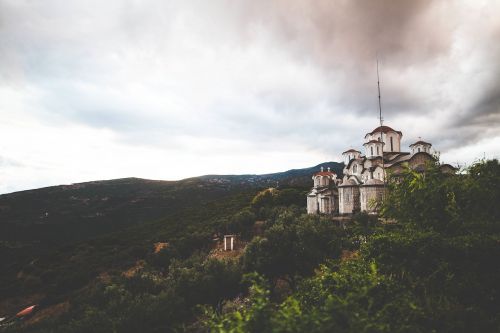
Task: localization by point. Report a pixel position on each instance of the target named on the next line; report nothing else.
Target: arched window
(391, 145)
(419, 149)
(355, 168)
(378, 151)
(371, 150)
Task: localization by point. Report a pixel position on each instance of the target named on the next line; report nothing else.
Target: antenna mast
(381, 123)
(379, 102)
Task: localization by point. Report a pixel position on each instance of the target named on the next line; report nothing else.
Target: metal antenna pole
(379, 102)
(381, 122)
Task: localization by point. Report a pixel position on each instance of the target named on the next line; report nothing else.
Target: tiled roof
(420, 142)
(325, 173)
(351, 151)
(373, 141)
(384, 129)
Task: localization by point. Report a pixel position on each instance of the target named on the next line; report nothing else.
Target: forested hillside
(55, 240)
(428, 265)
(432, 268)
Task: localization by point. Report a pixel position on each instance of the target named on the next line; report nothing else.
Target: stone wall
(326, 205)
(312, 205)
(419, 159)
(371, 196)
(349, 199)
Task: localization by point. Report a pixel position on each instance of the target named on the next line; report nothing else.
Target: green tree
(292, 247)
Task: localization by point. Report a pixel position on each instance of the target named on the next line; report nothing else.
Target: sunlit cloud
(166, 90)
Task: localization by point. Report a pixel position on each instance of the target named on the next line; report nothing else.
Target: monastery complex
(362, 186)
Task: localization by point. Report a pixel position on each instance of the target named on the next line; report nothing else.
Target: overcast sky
(171, 89)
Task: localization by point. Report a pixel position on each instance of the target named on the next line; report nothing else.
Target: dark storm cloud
(412, 40)
(487, 110)
(345, 37)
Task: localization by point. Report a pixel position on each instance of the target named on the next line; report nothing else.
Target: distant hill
(78, 211)
(293, 177)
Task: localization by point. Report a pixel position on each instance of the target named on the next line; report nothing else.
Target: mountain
(59, 237)
(78, 211)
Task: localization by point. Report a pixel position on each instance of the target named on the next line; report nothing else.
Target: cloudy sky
(170, 89)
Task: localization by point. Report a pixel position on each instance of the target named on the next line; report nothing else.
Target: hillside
(432, 268)
(54, 239)
(78, 211)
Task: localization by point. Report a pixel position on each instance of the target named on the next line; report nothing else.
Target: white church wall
(312, 205)
(370, 196)
(348, 199)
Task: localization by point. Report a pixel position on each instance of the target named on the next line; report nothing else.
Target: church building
(362, 186)
(322, 198)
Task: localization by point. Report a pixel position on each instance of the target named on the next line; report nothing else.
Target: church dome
(351, 151)
(420, 142)
(420, 146)
(384, 129)
(390, 137)
(325, 173)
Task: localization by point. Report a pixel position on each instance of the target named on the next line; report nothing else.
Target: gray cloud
(260, 73)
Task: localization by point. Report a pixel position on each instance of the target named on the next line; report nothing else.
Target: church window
(419, 149)
(378, 151)
(391, 145)
(355, 168)
(371, 150)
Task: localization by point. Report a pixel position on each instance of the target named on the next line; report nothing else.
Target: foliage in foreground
(435, 271)
(165, 292)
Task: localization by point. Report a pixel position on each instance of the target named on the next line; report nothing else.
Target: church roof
(351, 151)
(349, 182)
(384, 129)
(406, 157)
(399, 159)
(420, 142)
(373, 141)
(448, 166)
(325, 173)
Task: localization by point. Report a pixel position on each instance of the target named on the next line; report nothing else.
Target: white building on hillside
(362, 186)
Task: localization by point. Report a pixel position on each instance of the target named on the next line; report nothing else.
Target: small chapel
(364, 179)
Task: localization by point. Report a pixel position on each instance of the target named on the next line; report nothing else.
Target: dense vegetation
(435, 270)
(56, 242)
(429, 265)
